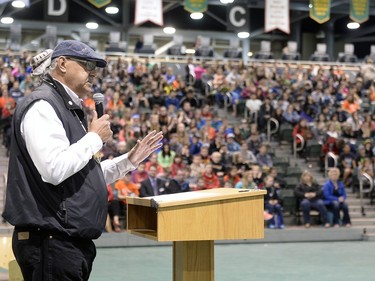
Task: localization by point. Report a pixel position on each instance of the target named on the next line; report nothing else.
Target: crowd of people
(201, 148)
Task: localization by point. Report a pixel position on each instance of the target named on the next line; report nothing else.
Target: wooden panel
(193, 260)
(240, 218)
(193, 197)
(143, 220)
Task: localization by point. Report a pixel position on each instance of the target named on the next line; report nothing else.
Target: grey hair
(51, 67)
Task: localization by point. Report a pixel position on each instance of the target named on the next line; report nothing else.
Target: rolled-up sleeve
(116, 168)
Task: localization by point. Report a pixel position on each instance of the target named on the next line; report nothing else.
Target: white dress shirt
(53, 155)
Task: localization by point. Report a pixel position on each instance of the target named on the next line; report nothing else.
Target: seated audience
(264, 159)
(209, 177)
(272, 204)
(246, 181)
(166, 156)
(334, 196)
(152, 186)
(309, 195)
(178, 183)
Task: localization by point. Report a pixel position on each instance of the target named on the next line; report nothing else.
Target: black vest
(78, 206)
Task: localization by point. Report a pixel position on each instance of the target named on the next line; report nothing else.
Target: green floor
(329, 261)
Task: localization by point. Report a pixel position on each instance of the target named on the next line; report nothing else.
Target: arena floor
(323, 261)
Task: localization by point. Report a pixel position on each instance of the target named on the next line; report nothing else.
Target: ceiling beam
(62, 28)
(363, 39)
(19, 10)
(358, 33)
(337, 7)
(95, 12)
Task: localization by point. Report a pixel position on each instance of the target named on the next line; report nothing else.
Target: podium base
(193, 260)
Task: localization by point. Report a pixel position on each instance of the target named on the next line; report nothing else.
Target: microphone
(99, 99)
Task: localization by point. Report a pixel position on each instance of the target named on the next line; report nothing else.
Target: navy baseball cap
(79, 50)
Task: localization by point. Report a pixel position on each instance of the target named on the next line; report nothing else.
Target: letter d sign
(56, 10)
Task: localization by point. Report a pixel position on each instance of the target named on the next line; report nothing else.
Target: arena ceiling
(81, 11)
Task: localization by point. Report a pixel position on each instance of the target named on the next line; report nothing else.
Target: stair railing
(295, 145)
(326, 164)
(269, 129)
(362, 177)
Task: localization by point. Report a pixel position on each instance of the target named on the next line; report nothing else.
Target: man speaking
(56, 194)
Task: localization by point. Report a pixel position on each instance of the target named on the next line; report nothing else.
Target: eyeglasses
(87, 64)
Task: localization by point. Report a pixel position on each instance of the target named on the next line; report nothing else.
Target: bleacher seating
(321, 53)
(203, 47)
(291, 52)
(148, 45)
(348, 54)
(265, 51)
(178, 49)
(234, 50)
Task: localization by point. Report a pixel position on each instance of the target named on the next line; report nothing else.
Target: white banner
(149, 10)
(277, 15)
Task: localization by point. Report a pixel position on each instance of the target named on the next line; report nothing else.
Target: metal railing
(365, 177)
(271, 131)
(326, 164)
(297, 148)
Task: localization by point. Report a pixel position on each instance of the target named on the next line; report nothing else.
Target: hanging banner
(277, 15)
(99, 3)
(149, 10)
(359, 10)
(320, 10)
(195, 6)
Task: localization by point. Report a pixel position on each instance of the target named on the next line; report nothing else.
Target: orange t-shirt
(350, 107)
(126, 189)
(5, 103)
(89, 103)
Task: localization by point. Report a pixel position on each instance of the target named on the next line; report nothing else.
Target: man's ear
(61, 64)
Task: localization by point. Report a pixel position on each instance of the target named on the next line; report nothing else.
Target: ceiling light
(111, 10)
(196, 16)
(92, 25)
(169, 30)
(353, 25)
(7, 20)
(18, 4)
(226, 1)
(243, 34)
(250, 54)
(190, 51)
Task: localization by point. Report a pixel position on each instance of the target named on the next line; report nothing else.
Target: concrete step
(369, 237)
(357, 208)
(358, 214)
(352, 200)
(363, 221)
(369, 229)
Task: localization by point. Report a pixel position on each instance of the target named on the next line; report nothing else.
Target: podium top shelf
(194, 197)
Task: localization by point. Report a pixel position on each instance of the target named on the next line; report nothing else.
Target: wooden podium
(193, 220)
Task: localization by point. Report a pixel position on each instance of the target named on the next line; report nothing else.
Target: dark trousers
(335, 207)
(49, 257)
(306, 205)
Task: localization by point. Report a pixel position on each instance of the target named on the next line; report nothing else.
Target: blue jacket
(328, 188)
